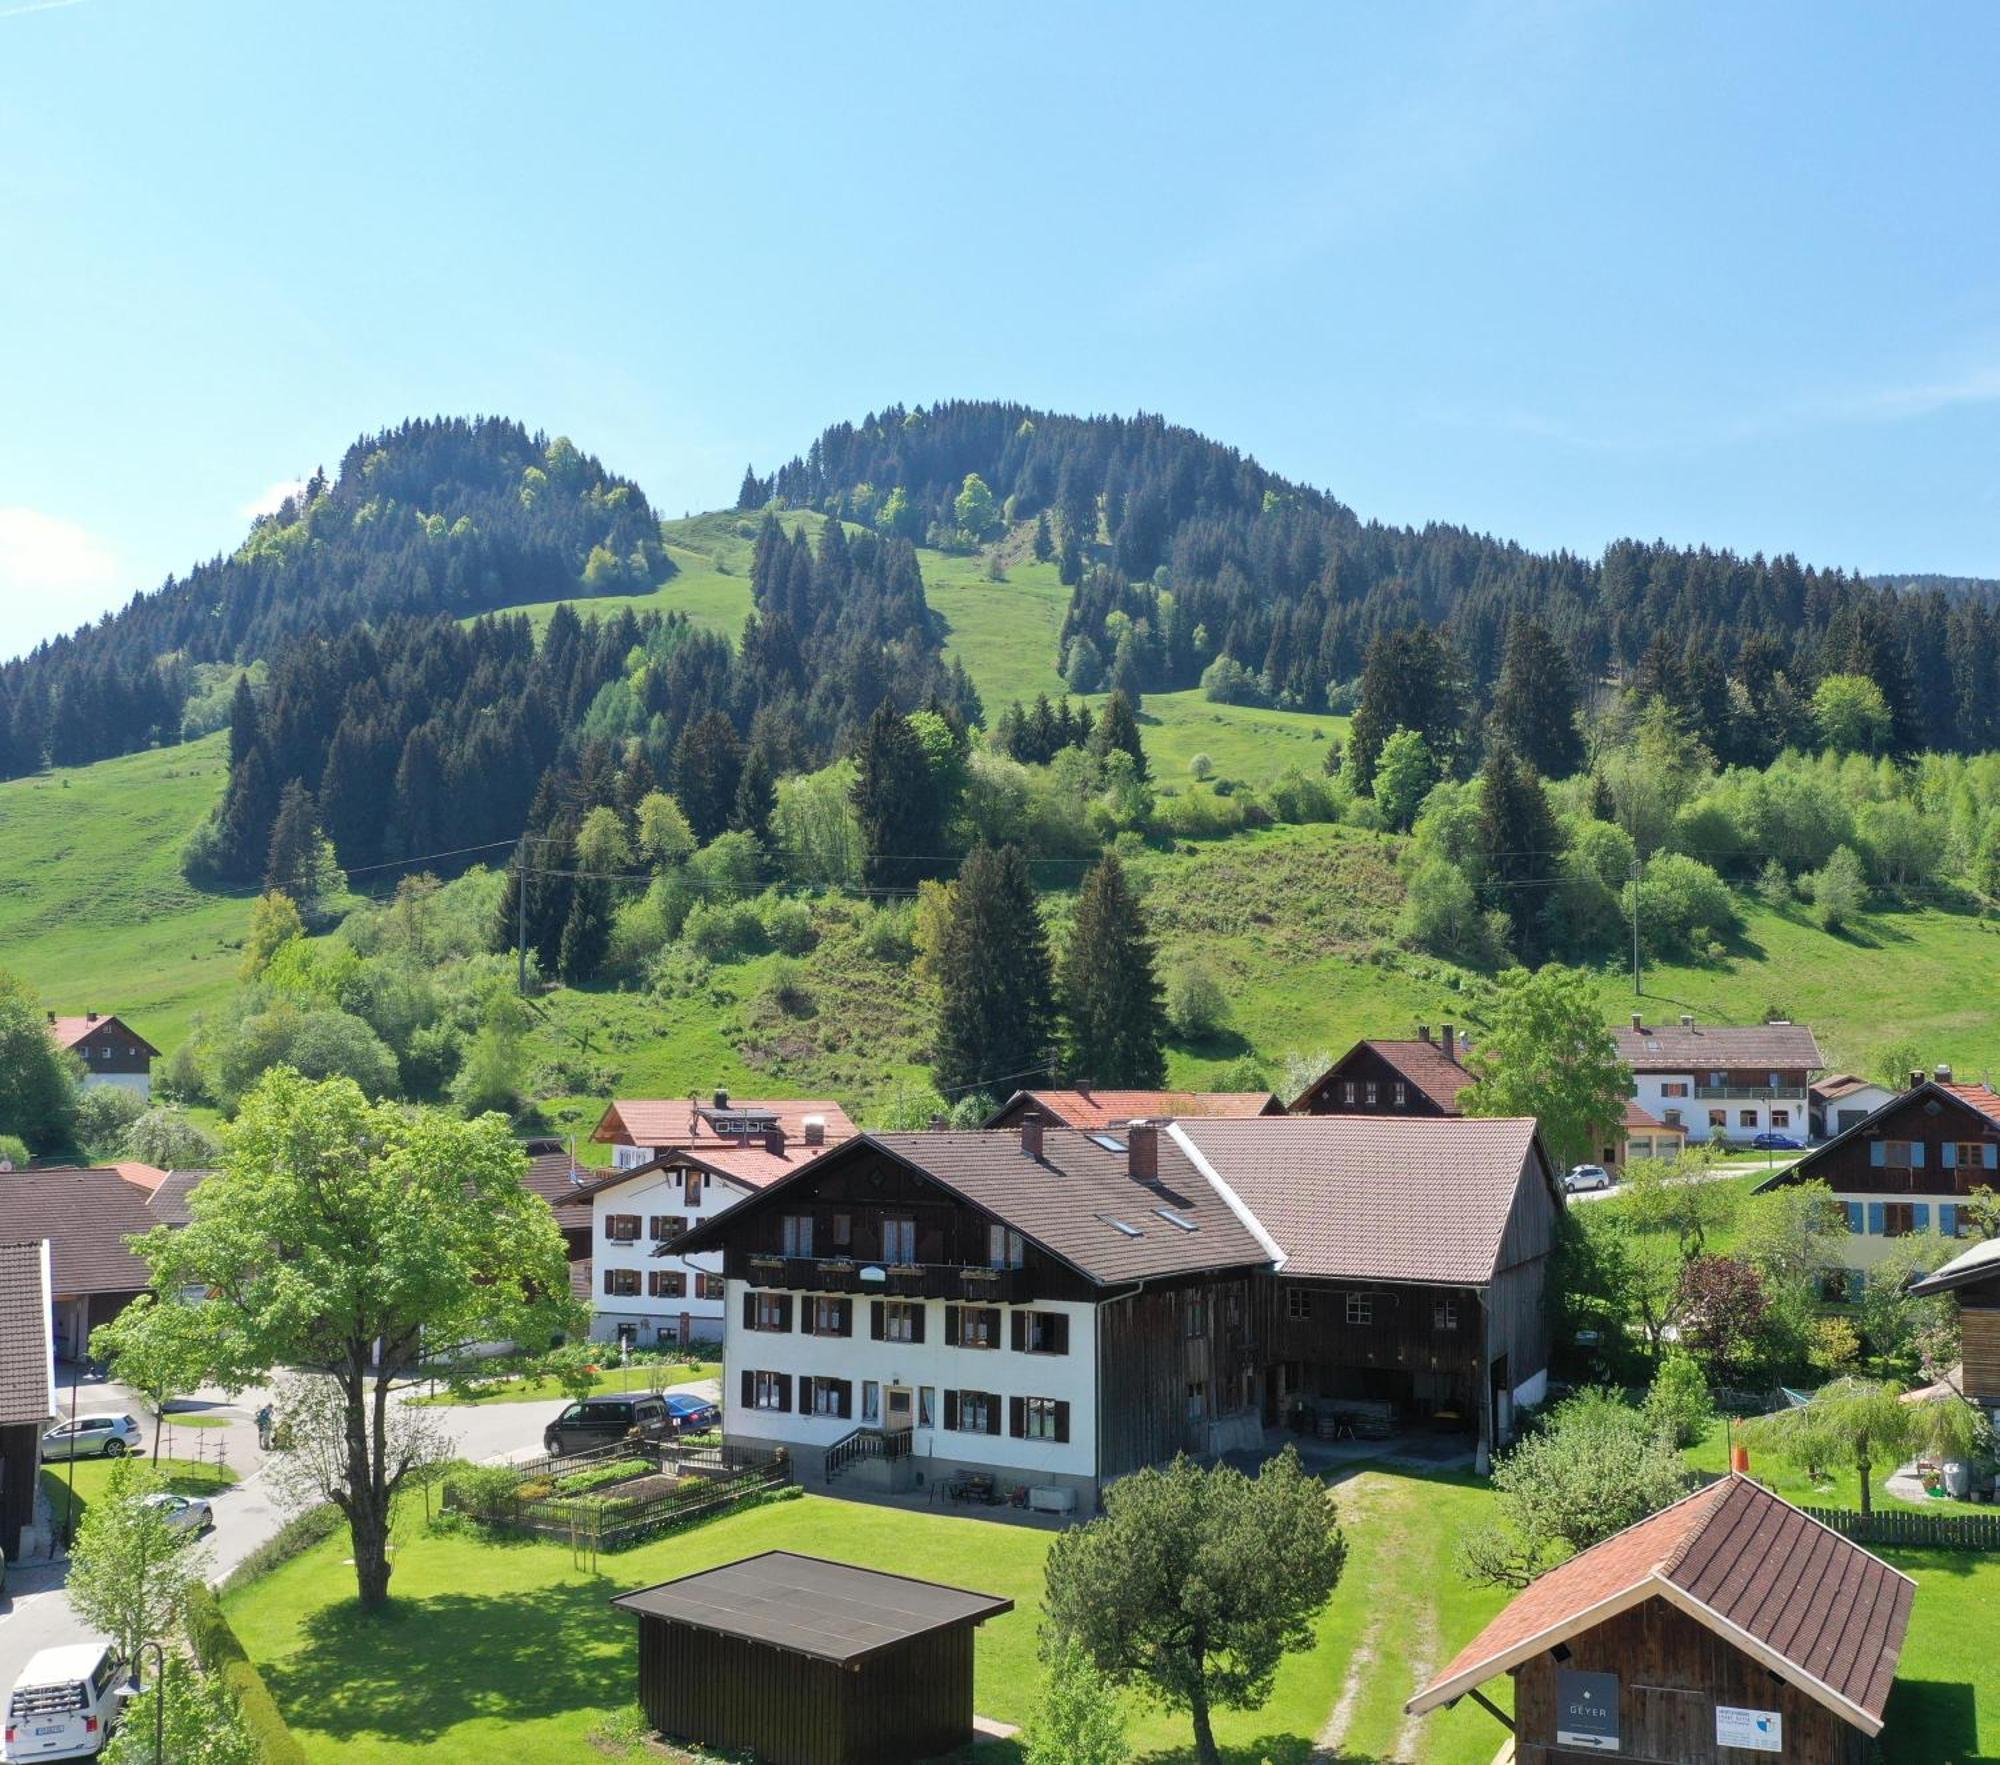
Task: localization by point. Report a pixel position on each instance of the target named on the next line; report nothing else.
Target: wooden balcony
(971, 1283)
(1750, 1093)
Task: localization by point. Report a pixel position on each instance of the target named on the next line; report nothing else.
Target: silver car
(1587, 1176)
(93, 1437)
(185, 1513)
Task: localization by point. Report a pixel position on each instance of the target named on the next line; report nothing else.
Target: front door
(897, 1409)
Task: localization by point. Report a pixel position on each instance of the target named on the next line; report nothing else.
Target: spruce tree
(1118, 728)
(586, 933)
(895, 799)
(294, 850)
(756, 797)
(1411, 680)
(995, 994)
(1535, 704)
(1111, 993)
(1520, 845)
(708, 767)
(1045, 545)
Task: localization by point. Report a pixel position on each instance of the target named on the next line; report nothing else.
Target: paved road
(39, 1615)
(1779, 1161)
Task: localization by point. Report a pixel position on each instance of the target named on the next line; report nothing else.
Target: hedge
(217, 1649)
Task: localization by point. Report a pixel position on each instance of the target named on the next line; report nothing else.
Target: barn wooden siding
(910, 1702)
(1146, 1360)
(1979, 1327)
(1672, 1672)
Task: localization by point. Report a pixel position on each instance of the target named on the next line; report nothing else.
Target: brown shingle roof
(169, 1199)
(1812, 1606)
(1677, 1047)
(661, 1123)
(1112, 1109)
(86, 1215)
(1376, 1197)
(549, 1176)
(1066, 1201)
(1422, 1064)
(27, 1367)
(809, 1606)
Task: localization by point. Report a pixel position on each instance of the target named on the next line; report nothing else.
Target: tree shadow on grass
(422, 1667)
(1933, 1721)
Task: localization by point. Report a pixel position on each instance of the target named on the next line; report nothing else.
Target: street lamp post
(133, 1688)
(1638, 988)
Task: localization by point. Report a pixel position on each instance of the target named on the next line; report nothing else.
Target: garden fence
(1893, 1526)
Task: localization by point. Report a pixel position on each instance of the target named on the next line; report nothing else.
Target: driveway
(39, 1616)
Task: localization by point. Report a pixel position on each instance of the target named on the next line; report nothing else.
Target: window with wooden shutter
(622, 1228)
(749, 1389)
(1042, 1418)
(876, 1308)
(951, 1410)
(951, 1326)
(1041, 1332)
(664, 1228)
(1017, 1418)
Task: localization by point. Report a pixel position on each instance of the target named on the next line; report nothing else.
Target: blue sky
(1563, 272)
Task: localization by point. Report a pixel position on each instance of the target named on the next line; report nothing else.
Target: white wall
(659, 1192)
(1747, 1117)
(1865, 1248)
(1070, 1377)
(139, 1082)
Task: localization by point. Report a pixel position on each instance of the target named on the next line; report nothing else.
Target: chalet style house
(1052, 1308)
(639, 1131)
(1727, 1626)
(1086, 1107)
(1375, 1077)
(1973, 1279)
(1907, 1168)
(1841, 1100)
(112, 1054)
(1722, 1082)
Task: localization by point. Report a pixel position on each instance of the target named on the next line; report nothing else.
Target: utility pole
(1638, 988)
(521, 917)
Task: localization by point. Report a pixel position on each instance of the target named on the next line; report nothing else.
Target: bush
(1196, 1003)
(103, 1114)
(297, 1536)
(786, 988)
(1678, 1405)
(1200, 767)
(14, 1151)
(888, 934)
(724, 931)
(484, 1489)
(1441, 915)
(167, 1138)
(1299, 797)
(1683, 906)
(599, 1476)
(1226, 681)
(1839, 891)
(216, 1647)
(788, 925)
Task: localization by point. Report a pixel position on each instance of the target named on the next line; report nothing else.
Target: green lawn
(1945, 1709)
(636, 1377)
(1837, 1488)
(183, 1476)
(520, 1651)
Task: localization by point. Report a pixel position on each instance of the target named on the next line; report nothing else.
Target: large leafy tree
(1197, 1581)
(37, 1081)
(1549, 1055)
(1111, 995)
(348, 1239)
(157, 1347)
(1535, 703)
(1863, 1423)
(996, 1013)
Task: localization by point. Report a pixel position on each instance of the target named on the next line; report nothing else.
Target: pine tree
(1521, 846)
(751, 494)
(1118, 728)
(1045, 544)
(1111, 993)
(247, 809)
(995, 994)
(586, 933)
(708, 766)
(294, 850)
(1535, 704)
(245, 726)
(756, 796)
(1411, 680)
(895, 799)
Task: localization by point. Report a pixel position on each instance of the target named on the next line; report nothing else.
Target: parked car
(1587, 1176)
(1776, 1143)
(93, 1437)
(689, 1414)
(597, 1421)
(64, 1705)
(187, 1513)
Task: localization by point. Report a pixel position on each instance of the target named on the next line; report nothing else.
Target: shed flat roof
(809, 1606)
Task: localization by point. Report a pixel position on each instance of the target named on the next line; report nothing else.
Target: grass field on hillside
(93, 909)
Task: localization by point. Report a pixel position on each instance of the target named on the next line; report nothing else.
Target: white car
(64, 1705)
(1587, 1176)
(188, 1513)
(93, 1437)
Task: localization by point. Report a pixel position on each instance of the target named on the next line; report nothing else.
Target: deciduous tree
(1862, 1423)
(37, 1079)
(1548, 1055)
(129, 1571)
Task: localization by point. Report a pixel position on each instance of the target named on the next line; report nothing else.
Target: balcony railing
(1750, 1093)
(973, 1283)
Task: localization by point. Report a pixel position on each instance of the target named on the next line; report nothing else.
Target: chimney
(90, 1017)
(1083, 1087)
(815, 1130)
(721, 1097)
(1450, 1041)
(1142, 1141)
(1638, 1020)
(1917, 1076)
(1687, 1020)
(937, 1124)
(1423, 1032)
(1943, 1075)
(774, 1141)
(1031, 1135)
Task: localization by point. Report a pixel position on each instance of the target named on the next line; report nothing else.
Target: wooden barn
(1727, 1626)
(805, 1662)
(1973, 1277)
(27, 1383)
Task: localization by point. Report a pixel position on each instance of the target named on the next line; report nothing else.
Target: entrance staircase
(872, 1459)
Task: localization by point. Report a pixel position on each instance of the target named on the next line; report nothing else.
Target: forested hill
(1187, 561)
(449, 516)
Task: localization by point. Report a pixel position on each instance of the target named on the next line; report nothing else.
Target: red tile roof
(1374, 1197)
(86, 1215)
(1113, 1109)
(1645, 1121)
(1699, 1047)
(752, 1166)
(1982, 1097)
(68, 1031)
(1812, 1606)
(141, 1176)
(660, 1123)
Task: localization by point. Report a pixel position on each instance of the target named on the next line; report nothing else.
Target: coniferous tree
(1520, 845)
(1411, 681)
(995, 995)
(756, 796)
(294, 853)
(586, 932)
(1118, 728)
(708, 766)
(1535, 704)
(1111, 993)
(1045, 545)
(750, 494)
(895, 799)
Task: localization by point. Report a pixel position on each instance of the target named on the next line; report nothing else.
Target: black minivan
(598, 1421)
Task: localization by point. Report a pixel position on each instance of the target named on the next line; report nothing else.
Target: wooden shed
(800, 1661)
(1726, 1626)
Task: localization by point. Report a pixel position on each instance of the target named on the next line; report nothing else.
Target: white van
(63, 1705)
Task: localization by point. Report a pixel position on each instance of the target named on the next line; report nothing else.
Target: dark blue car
(691, 1415)
(1775, 1143)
